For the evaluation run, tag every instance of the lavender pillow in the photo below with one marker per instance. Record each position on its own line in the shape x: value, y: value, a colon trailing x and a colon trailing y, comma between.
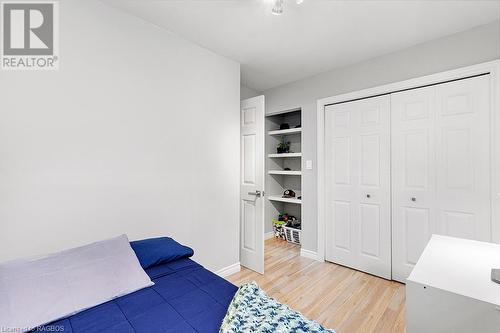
x: 37, y: 291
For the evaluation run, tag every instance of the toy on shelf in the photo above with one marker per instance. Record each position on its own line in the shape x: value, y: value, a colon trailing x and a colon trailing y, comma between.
x: 279, y: 231
x: 285, y: 220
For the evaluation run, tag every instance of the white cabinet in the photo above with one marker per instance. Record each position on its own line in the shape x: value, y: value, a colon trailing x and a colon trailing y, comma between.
x: 421, y: 155
x: 450, y: 289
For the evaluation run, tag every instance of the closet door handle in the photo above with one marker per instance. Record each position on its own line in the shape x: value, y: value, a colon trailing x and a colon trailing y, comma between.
x: 256, y: 193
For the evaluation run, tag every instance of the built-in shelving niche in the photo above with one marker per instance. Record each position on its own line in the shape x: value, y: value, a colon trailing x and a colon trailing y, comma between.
x: 277, y: 178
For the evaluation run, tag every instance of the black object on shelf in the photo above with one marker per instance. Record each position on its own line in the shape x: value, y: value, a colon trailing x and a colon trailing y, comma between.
x: 288, y: 194
x: 282, y: 150
x: 284, y: 126
x: 298, y: 126
x: 294, y: 223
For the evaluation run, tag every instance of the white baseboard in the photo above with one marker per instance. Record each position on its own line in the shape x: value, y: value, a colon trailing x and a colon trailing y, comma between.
x: 310, y: 254
x: 231, y: 269
x: 269, y: 235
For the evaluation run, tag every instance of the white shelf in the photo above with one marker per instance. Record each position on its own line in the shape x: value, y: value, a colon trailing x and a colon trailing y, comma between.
x: 286, y: 131
x: 281, y: 112
x: 285, y: 172
x: 286, y: 155
x: 287, y: 200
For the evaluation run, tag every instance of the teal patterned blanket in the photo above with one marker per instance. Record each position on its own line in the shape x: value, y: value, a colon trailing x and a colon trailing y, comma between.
x: 253, y: 311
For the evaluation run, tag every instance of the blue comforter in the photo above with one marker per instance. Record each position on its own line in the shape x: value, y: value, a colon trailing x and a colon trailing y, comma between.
x: 185, y: 298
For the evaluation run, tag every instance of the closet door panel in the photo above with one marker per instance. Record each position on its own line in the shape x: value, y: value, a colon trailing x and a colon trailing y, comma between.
x: 342, y: 160
x: 416, y: 150
x: 417, y: 232
x: 358, y: 185
x: 370, y: 230
x: 341, y: 229
x: 440, y: 167
x: 374, y: 185
x: 370, y: 160
x: 342, y: 200
x: 463, y: 158
x: 413, y: 177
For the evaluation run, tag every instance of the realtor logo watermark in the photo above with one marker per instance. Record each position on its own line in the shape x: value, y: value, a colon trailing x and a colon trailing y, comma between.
x: 30, y: 35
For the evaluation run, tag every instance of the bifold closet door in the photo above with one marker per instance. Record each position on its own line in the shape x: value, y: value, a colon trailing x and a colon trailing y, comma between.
x: 440, y: 167
x: 358, y: 226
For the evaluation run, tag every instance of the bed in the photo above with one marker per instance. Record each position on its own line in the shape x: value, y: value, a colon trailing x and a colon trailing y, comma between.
x: 144, y: 286
x: 185, y: 298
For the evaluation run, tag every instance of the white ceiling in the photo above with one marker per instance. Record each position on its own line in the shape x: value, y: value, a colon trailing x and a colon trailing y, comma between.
x: 310, y: 38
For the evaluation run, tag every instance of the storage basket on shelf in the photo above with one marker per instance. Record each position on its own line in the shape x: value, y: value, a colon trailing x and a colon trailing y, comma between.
x: 292, y: 235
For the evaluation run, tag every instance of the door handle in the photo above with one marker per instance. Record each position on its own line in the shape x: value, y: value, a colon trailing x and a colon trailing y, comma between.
x: 257, y: 193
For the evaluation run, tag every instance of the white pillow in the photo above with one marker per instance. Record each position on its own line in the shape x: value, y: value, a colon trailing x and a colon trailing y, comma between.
x: 39, y: 290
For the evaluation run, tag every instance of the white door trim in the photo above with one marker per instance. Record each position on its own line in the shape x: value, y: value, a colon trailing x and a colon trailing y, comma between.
x: 492, y: 67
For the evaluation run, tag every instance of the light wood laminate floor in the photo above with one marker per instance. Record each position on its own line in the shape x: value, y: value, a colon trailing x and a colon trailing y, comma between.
x: 338, y: 297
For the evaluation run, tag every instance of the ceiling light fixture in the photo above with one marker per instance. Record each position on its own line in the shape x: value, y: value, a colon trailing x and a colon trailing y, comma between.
x: 278, y: 6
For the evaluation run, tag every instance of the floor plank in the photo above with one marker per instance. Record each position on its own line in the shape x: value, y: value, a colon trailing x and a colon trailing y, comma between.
x: 338, y: 297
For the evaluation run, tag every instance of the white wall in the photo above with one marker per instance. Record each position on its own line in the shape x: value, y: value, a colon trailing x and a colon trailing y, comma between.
x: 137, y: 133
x: 246, y: 92
x: 477, y: 45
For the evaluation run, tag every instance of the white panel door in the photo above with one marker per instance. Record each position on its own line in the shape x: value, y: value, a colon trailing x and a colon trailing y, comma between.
x: 358, y: 222
x: 413, y: 177
x: 440, y: 167
x: 252, y: 184
x: 463, y: 158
